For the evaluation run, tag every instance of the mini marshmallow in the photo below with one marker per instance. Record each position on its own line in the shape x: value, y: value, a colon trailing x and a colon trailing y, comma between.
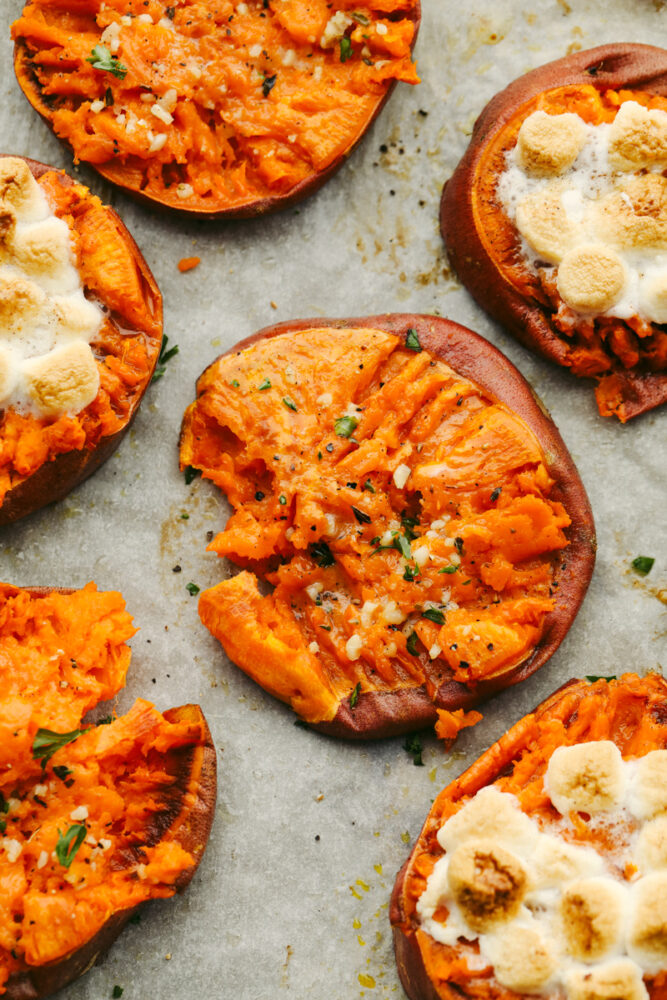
x: 619, y: 979
x: 65, y: 380
x: 523, y: 958
x: 637, y: 137
x: 487, y: 882
x: 543, y: 222
x: 20, y: 191
x: 591, y: 278
x: 549, y: 144
x: 591, y: 911
x: 585, y: 777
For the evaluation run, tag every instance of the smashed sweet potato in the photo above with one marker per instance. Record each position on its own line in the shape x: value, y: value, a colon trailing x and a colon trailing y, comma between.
x: 610, y: 337
x: 42, y: 457
x: 94, y: 818
x: 214, y: 108
x: 416, y: 512
x: 570, y: 805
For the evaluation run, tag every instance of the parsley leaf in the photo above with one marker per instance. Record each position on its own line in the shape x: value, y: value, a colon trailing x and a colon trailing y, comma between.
x: 101, y: 58
x: 413, y: 745
x: 190, y: 473
x: 322, y: 554
x: 165, y: 356
x: 344, y: 426
x: 266, y: 384
x: 354, y: 694
x: 643, y: 565
x: 268, y: 84
x: 345, y: 49
x: 448, y: 569
x: 46, y: 743
x: 403, y: 545
x: 117, y: 992
x: 192, y: 589
x: 600, y: 677
x: 434, y: 615
x: 412, y: 644
x: 411, y: 572
x: 289, y: 403
x: 412, y: 341
x: 361, y: 516
x: 69, y: 843
x: 368, y: 486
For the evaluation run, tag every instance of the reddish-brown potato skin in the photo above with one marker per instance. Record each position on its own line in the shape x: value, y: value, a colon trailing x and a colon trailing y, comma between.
x: 380, y: 714
x: 56, y: 478
x: 260, y: 206
x: 608, y: 67
x: 411, y: 970
x: 191, y: 826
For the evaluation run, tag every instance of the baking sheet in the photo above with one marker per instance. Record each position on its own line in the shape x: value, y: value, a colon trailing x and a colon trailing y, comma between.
x: 292, y: 896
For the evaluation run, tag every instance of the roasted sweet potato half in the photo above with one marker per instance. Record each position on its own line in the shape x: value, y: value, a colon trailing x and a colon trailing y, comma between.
x: 216, y: 109
x: 556, y: 218
x: 414, y: 508
x: 542, y: 869
x: 80, y: 334
x: 95, y: 819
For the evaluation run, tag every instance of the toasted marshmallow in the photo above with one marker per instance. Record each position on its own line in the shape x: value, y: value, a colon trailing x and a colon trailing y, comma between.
x: 634, y: 214
x: 648, y: 794
x: 549, y: 144
x: 591, y: 278
x: 543, y: 222
x: 585, y: 777
x: 523, y: 958
x: 20, y: 191
x: 21, y: 302
x: 7, y: 231
x: 647, y: 928
x: 44, y: 252
x: 487, y: 882
x: 653, y: 296
x: 591, y: 911
x: 619, y: 979
x: 652, y: 845
x: 76, y: 317
x: 7, y: 375
x: 556, y: 862
x: 489, y: 814
x: 65, y: 380
x: 638, y: 138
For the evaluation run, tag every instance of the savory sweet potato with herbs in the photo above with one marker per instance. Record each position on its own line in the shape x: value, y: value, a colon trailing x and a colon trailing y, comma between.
x: 80, y: 334
x: 542, y: 868
x: 216, y: 108
x: 94, y: 818
x: 423, y: 528
x: 555, y: 218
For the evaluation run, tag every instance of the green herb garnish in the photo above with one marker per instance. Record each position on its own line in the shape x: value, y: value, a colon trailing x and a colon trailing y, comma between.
x: 411, y: 644
x: 268, y: 84
x: 282, y: 500
x: 412, y: 341
x: 345, y: 426
x: 403, y: 545
x: 117, y: 992
x: 413, y: 745
x: 643, y: 565
x: 289, y: 403
x: 46, y: 743
x: 266, y: 384
x: 69, y: 843
x: 600, y: 677
x: 234, y: 383
x: 368, y: 486
x: 448, y: 569
x: 354, y: 694
x: 345, y: 49
x: 411, y: 572
x: 361, y: 516
x: 165, y: 356
x: 61, y: 771
x: 190, y: 473
x: 434, y: 615
x: 409, y: 523
x: 108, y: 97
x: 101, y: 58
x: 359, y: 18
x: 192, y: 589
x: 322, y: 554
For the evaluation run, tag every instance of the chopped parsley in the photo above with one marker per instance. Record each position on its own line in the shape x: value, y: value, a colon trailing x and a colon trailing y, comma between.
x: 69, y: 843
x: 408, y: 524
x: 259, y: 495
x: 361, y: 516
x: 368, y: 486
x: 165, y: 356
x: 46, y: 743
x: 413, y: 745
x: 434, y: 615
x: 412, y: 341
x: 117, y: 992
x: 496, y: 493
x: 359, y: 18
x: 282, y: 500
x: 234, y: 383
x: 345, y: 49
x: 268, y: 84
x: 61, y: 771
x: 411, y: 572
x: 101, y: 58
x: 345, y: 426
x: 412, y: 644
x: 289, y: 403
x: 192, y: 589
x: 448, y: 569
x: 458, y: 544
x: 190, y: 473
x: 266, y: 384
x: 643, y: 565
x: 322, y: 554
x: 403, y: 545
x: 600, y: 677
x: 108, y: 97
x: 354, y: 694
x: 4, y: 805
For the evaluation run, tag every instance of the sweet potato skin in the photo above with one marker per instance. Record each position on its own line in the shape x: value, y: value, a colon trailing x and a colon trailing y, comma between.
x: 607, y: 67
x: 191, y: 826
x: 414, y: 977
x: 261, y: 206
x: 381, y: 714
x: 55, y: 479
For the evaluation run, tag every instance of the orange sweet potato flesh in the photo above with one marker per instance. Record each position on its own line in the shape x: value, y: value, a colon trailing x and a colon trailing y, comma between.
x: 140, y: 788
x: 631, y: 711
x: 627, y: 359
x: 43, y: 459
x: 367, y: 634
x: 259, y: 112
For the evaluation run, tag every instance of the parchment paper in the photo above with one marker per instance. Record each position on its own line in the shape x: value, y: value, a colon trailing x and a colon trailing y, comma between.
x: 292, y: 896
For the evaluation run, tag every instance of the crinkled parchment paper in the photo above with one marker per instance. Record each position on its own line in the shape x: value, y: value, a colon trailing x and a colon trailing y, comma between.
x: 292, y: 896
